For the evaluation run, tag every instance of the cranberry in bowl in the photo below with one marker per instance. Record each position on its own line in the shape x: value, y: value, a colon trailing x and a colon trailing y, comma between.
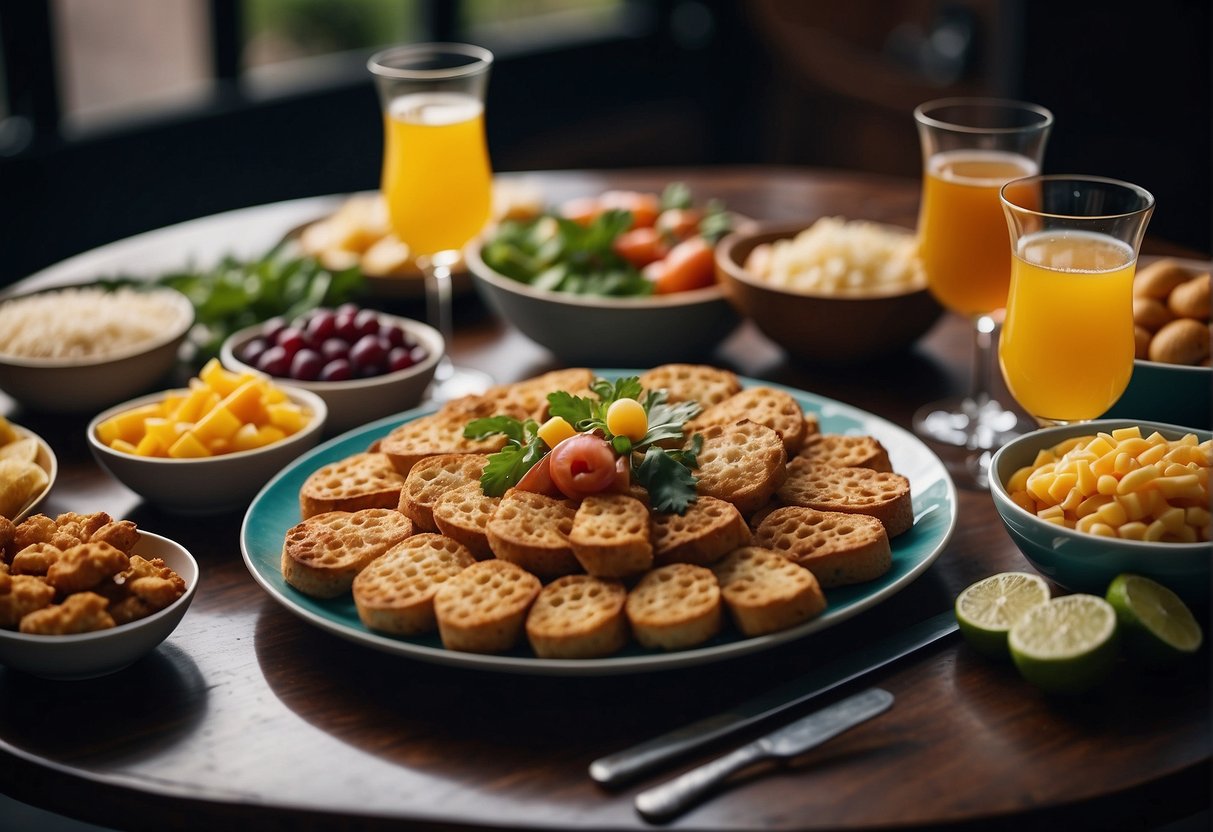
x: 365, y: 364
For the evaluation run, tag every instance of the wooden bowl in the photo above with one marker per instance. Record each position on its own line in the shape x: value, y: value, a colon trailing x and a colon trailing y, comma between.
x: 821, y: 328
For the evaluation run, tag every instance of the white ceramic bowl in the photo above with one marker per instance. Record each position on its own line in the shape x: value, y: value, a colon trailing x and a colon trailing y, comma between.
x: 86, y: 655
x: 73, y: 385
x: 209, y: 485
x: 623, y: 332
x: 1085, y: 562
x: 358, y: 401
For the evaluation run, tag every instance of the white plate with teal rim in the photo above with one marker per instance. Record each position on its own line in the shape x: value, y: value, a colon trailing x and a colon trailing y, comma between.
x: 276, y: 509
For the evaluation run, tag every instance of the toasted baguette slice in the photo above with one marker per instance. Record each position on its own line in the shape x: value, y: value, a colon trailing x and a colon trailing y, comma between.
x: 530, y: 396
x: 351, y: 484
x: 532, y: 530
x: 463, y: 514
x: 610, y: 536
x: 846, y: 452
x: 880, y: 494
x: 743, y: 464
x: 837, y: 548
x: 766, y: 406
x: 709, y: 530
x: 692, y: 382
x: 322, y: 555
x: 395, y: 592
x: 765, y: 592
x: 483, y: 608
x: 441, y: 433
x: 675, y: 607
x: 432, y: 477
x: 578, y: 617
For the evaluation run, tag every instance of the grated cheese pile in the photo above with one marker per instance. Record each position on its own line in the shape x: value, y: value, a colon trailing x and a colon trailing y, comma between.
x: 840, y: 256
x: 85, y: 322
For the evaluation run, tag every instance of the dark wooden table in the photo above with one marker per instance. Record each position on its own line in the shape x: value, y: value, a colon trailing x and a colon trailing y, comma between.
x: 249, y: 716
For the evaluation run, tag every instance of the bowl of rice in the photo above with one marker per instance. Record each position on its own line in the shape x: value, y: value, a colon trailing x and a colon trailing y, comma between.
x: 81, y: 348
x: 835, y: 291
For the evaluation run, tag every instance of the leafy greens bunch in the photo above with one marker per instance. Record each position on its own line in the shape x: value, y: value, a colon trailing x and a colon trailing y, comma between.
x: 664, y: 473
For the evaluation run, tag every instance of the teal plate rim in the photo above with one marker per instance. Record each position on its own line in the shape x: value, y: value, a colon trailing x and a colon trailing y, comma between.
x: 275, y: 510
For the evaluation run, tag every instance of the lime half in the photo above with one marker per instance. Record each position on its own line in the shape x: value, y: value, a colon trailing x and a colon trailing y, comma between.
x: 1066, y: 645
x: 988, y: 609
x: 1158, y: 627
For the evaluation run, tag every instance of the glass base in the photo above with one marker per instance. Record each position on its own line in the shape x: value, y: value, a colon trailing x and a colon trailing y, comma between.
x: 451, y: 382
x: 965, y: 423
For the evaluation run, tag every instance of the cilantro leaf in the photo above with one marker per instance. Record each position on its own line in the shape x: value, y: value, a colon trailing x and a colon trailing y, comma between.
x: 666, y: 420
x: 506, y: 467
x: 491, y: 425
x: 670, y: 484
x: 623, y: 388
x: 573, y: 409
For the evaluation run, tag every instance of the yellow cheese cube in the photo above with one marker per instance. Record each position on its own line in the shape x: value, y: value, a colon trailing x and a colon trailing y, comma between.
x: 245, y: 402
x: 123, y: 446
x: 127, y: 425
x: 196, y: 403
x: 149, y: 445
x: 219, y: 379
x: 287, y: 416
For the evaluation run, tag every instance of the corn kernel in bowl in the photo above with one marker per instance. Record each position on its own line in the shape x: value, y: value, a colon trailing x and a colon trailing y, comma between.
x: 220, y: 412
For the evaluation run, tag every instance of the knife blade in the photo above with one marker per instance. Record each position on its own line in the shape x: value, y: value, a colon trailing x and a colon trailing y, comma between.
x: 676, y: 796
x: 623, y: 766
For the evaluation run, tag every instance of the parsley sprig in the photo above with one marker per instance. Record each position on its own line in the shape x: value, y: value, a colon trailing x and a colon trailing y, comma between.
x: 666, y: 474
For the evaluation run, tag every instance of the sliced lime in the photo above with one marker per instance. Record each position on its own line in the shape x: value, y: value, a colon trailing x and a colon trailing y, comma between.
x: 1158, y: 627
x: 987, y: 610
x: 1066, y: 645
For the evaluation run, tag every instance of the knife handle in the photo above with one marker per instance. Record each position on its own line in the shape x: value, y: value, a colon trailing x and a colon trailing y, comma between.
x: 676, y: 796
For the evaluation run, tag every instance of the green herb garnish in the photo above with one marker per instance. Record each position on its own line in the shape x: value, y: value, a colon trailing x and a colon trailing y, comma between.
x: 666, y: 474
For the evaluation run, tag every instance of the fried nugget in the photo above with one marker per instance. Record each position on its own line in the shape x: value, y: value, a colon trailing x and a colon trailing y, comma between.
x: 129, y: 608
x: 81, y: 526
x: 83, y: 612
x: 35, y: 559
x: 121, y: 534
x: 84, y: 566
x: 37, y: 528
x: 25, y: 594
x: 158, y: 593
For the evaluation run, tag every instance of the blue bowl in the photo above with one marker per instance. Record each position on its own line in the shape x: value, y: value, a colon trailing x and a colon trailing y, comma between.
x: 1169, y: 393
x: 1084, y: 562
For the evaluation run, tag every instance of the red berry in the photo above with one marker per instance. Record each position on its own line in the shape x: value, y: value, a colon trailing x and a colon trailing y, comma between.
x: 322, y: 326
x: 252, y: 350
x: 336, y: 370
x: 291, y: 339
x: 334, y: 348
x: 393, y: 334
x: 274, y: 361
x: 367, y: 322
x: 367, y: 352
x: 345, y: 326
x: 306, y: 365
x: 399, y: 359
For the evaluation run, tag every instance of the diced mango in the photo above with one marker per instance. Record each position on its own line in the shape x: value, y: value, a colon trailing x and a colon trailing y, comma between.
x: 245, y: 402
x: 193, y: 406
x: 219, y: 423
x: 287, y: 416
x: 187, y: 446
x: 149, y: 445
x: 123, y: 446
x: 127, y: 426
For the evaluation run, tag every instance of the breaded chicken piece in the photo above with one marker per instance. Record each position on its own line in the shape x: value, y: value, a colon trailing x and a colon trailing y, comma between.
x: 81, y: 527
x: 157, y: 593
x: 37, y: 528
x: 83, y: 612
x: 84, y: 566
x: 121, y: 534
x: 35, y: 559
x: 25, y: 594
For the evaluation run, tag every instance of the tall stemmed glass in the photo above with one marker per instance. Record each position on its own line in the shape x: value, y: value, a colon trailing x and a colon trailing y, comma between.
x: 1067, y: 344
x: 970, y: 148
x: 436, y: 174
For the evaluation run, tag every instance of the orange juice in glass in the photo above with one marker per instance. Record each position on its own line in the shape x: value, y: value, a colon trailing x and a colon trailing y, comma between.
x: 437, y: 180
x: 970, y: 148
x: 1067, y: 344
x: 436, y: 175
x: 962, y: 233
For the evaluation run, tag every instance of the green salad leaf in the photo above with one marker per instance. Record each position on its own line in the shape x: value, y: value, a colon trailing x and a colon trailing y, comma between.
x: 522, y: 450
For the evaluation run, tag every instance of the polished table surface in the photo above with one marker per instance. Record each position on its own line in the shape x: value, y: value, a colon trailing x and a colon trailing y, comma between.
x: 248, y: 715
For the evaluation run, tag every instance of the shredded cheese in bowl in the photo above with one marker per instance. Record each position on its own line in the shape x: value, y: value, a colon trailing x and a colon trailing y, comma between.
x: 88, y: 323
x: 839, y: 256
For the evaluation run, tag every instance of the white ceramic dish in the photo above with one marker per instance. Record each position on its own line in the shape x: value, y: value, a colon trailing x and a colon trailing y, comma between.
x: 210, y: 485
x: 276, y: 509
x: 82, y: 385
x: 581, y: 329
x: 87, y: 655
x: 358, y: 401
x: 45, y: 460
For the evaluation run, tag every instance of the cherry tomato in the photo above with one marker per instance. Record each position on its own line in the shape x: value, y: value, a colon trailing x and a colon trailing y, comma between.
x: 641, y: 246
x: 644, y: 207
x: 581, y: 210
x: 539, y: 479
x: 582, y: 465
x: 679, y: 222
x: 691, y: 265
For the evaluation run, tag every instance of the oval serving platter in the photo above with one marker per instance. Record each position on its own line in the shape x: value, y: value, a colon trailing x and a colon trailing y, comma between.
x: 276, y: 509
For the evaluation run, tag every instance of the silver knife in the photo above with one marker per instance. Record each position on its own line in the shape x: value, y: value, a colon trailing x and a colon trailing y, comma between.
x: 622, y: 766
x: 678, y: 795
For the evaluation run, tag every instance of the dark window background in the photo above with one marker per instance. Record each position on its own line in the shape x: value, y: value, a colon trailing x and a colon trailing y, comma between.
x: 119, y: 116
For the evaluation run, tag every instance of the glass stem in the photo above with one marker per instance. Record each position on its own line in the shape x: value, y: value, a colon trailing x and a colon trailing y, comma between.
x: 983, y: 339
x: 437, y: 271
